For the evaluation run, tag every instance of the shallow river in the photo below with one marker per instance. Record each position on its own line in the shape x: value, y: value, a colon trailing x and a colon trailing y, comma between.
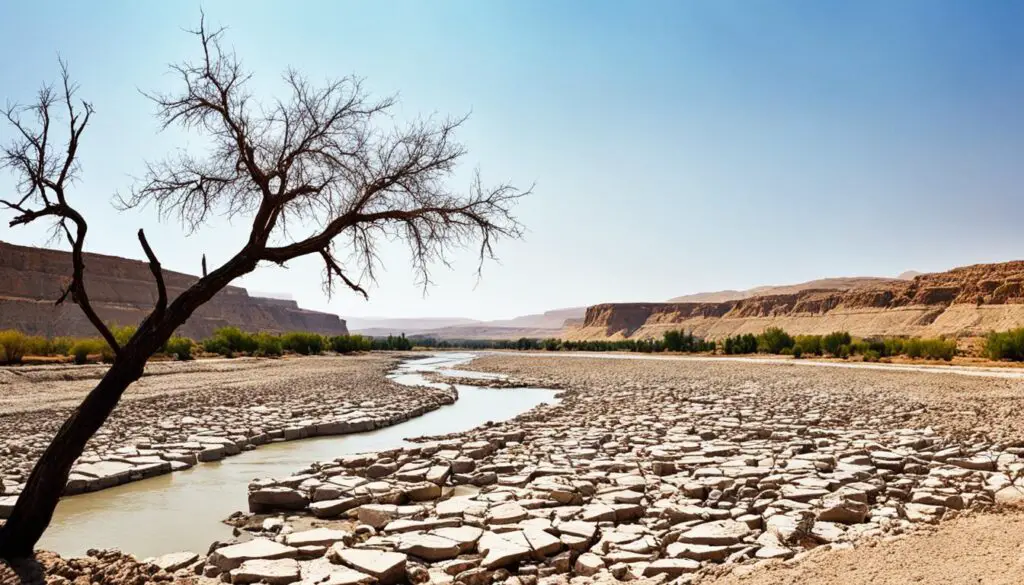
x: 183, y: 510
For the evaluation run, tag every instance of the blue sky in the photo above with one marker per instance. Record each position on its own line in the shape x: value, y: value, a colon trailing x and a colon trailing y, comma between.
x: 676, y: 146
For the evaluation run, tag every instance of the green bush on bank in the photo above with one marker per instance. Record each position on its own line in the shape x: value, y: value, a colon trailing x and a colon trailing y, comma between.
x: 1005, y: 345
x: 833, y: 342
x: 84, y: 348
x: 740, y: 344
x: 403, y: 343
x: 807, y: 344
x: 179, y: 347
x: 303, y: 343
x: 268, y: 345
x: 774, y: 340
x: 351, y: 343
x: 685, y: 342
x: 12, y: 345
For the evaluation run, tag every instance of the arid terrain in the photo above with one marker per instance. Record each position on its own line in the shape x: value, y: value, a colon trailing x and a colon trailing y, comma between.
x: 179, y: 414
x: 964, y: 301
x: 652, y: 470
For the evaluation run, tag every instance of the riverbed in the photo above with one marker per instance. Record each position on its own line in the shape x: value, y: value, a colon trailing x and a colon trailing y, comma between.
x: 184, y: 510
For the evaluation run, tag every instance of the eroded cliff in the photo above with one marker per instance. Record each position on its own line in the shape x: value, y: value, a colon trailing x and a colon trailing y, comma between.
x: 971, y: 300
x: 123, y: 292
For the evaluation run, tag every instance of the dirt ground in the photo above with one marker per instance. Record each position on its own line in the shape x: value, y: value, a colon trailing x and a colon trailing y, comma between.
x: 978, y: 548
x: 982, y: 406
x: 31, y: 388
x: 986, y: 549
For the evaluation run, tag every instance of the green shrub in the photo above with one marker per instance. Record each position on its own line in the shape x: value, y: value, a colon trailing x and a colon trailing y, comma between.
x: 1005, y: 345
x: 13, y: 344
x: 123, y: 334
x: 843, y: 351
x: 932, y: 349
x: 228, y: 341
x: 773, y: 340
x: 831, y: 343
x: 218, y: 346
x: 680, y: 341
x: 893, y: 346
x: 797, y: 352
x: 809, y: 344
x: 871, y: 356
x: 740, y: 344
x: 268, y: 345
x: 37, y: 345
x: 83, y: 348
x: 60, y: 345
x: 402, y: 343
x: 859, y: 347
x: 351, y: 343
x: 179, y: 347
x: 303, y: 343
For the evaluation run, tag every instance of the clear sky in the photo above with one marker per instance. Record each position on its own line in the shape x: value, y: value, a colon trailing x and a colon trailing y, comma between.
x: 676, y: 146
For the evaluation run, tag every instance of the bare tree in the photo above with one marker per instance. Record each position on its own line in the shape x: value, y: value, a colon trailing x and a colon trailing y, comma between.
x: 315, y: 172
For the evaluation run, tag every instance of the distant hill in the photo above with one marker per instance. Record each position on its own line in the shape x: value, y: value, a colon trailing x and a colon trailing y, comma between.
x: 547, y: 324
x: 404, y: 325
x: 547, y: 320
x: 967, y: 301
x: 123, y: 292
x: 842, y: 283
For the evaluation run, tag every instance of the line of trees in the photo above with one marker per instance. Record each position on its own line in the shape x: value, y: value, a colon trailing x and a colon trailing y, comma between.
x: 232, y: 341
x: 15, y: 346
x: 772, y: 340
x: 229, y: 342
x: 839, y: 344
x: 678, y: 341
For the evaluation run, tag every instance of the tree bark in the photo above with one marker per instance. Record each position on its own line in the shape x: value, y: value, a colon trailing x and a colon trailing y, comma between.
x: 34, y: 510
x: 38, y: 500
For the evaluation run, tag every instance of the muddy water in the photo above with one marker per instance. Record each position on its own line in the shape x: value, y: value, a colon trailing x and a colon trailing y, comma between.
x: 183, y: 510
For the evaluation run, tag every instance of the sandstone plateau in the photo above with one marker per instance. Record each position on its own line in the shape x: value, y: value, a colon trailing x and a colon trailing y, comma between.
x: 122, y: 292
x: 971, y: 300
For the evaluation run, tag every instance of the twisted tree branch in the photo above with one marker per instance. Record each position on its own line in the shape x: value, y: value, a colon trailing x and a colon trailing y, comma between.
x: 158, y: 275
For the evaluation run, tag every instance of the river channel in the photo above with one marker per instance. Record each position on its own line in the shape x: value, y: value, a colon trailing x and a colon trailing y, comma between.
x: 183, y: 510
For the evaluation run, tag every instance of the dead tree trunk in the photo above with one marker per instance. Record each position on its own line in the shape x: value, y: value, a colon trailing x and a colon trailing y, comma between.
x: 45, y: 485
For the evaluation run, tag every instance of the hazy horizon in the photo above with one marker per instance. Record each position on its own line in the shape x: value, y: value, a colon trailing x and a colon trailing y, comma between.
x: 676, y: 148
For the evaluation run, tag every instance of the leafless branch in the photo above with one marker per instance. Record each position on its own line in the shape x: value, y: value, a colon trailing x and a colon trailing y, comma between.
x: 158, y: 275
x: 332, y: 269
x: 318, y: 168
x: 44, y: 175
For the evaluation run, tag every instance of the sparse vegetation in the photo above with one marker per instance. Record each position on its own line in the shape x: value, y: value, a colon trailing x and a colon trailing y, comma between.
x: 268, y: 345
x: 740, y: 344
x: 303, y: 343
x: 179, y: 347
x: 686, y: 342
x: 774, y: 340
x: 84, y: 348
x: 394, y: 343
x: 351, y: 343
x: 808, y: 344
x: 1005, y: 345
x: 13, y: 344
x: 833, y: 342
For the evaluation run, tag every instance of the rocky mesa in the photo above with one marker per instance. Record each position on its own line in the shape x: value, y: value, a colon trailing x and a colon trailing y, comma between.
x: 123, y: 292
x: 970, y: 300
